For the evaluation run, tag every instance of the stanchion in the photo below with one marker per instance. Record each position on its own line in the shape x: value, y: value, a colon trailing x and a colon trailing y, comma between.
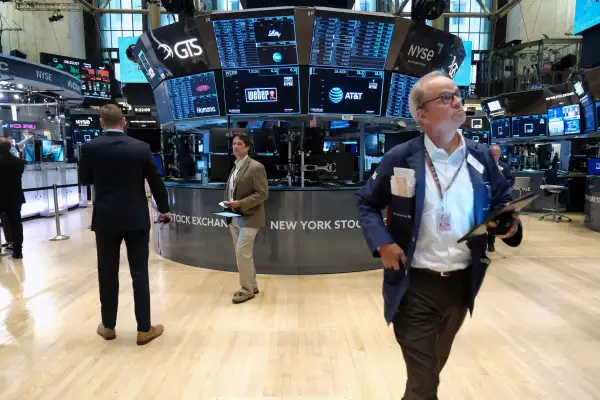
x: 58, y: 236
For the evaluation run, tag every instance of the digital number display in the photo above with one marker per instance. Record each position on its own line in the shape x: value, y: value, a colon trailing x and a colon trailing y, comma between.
x: 193, y: 96
x: 262, y: 91
x: 500, y: 128
x: 564, y: 120
x: 345, y: 91
x: 349, y: 41
x: 95, y: 80
x: 400, y: 87
x: 256, y: 42
x: 529, y: 126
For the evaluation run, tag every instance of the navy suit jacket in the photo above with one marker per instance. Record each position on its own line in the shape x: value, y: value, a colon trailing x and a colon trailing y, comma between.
x: 490, y: 189
x: 505, y: 169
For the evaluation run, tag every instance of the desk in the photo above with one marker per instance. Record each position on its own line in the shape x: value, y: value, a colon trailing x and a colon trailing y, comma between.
x: 574, y: 201
x: 309, y: 231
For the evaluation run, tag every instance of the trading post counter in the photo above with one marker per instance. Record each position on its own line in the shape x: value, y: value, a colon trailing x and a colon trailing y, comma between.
x: 572, y: 200
x: 308, y: 231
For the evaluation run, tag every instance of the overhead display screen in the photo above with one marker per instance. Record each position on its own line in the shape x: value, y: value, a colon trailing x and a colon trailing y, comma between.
x: 95, y: 79
x: 500, y: 128
x: 163, y: 103
x: 350, y: 40
x: 193, y: 96
x: 526, y: 126
x: 564, y: 120
x: 482, y: 137
x: 256, y: 42
x: 262, y: 91
x: 588, y: 109
x: 400, y: 86
x: 341, y: 91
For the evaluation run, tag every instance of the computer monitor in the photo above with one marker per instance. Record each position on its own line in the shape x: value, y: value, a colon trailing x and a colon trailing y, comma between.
x: 344, y: 164
x: 220, y: 167
x: 159, y: 164
x: 265, y: 141
x: 219, y: 141
x: 564, y: 120
x: 528, y: 126
x: 500, y: 128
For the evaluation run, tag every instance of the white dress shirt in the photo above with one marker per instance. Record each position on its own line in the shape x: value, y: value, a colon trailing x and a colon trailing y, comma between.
x: 230, y: 184
x: 436, y: 251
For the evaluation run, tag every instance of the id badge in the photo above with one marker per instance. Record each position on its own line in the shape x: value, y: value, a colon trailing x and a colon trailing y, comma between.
x: 444, y: 222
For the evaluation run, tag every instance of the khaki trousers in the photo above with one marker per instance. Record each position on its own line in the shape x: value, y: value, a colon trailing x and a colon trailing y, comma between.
x: 243, y: 242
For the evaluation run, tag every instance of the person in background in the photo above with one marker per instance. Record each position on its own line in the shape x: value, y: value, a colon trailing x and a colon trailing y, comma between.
x: 118, y: 166
x: 505, y: 170
x: 11, y: 197
x: 431, y: 280
x: 13, y: 147
x: 246, y: 192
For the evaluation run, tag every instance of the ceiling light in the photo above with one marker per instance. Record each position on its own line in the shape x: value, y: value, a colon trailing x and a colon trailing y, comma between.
x: 20, y: 86
x: 16, y: 96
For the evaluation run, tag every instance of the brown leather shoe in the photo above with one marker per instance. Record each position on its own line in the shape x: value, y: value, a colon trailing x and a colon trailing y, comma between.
x: 107, y: 334
x: 242, y: 296
x: 146, y: 337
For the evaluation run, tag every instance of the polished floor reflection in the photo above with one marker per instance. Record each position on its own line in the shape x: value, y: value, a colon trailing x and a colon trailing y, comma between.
x: 535, y: 333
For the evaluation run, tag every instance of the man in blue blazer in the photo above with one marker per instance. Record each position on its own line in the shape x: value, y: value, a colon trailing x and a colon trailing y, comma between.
x: 430, y: 280
x: 505, y: 170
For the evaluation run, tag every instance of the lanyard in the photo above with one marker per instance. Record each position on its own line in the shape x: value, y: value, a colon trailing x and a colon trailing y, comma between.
x: 435, y: 175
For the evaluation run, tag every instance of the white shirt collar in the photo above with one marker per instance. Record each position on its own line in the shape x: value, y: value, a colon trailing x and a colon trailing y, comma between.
x: 438, y: 154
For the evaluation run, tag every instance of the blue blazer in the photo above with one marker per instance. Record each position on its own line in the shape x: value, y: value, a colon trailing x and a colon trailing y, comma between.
x: 491, y: 191
x: 505, y: 169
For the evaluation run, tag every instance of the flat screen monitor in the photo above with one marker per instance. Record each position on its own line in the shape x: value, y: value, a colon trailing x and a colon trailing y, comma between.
x: 163, y: 103
x: 95, y: 79
x: 219, y: 141
x: 220, y: 167
x: 193, y: 96
x: 482, y: 137
x: 265, y: 141
x: 400, y: 86
x: 350, y: 40
x: 52, y: 151
x: 159, y: 164
x: 588, y: 109
x: 564, y: 120
x: 500, y: 128
x: 85, y: 135
x: 262, y: 91
x: 263, y: 41
x: 345, y: 91
x: 529, y: 126
x: 339, y: 124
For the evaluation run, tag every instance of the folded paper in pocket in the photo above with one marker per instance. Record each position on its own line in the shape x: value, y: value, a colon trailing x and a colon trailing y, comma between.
x: 403, y: 182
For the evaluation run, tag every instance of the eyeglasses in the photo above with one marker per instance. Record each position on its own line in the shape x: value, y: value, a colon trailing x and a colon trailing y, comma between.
x: 446, y: 97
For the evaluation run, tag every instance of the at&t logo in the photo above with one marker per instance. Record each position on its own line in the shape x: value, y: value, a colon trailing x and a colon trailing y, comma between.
x: 182, y: 50
x: 336, y: 95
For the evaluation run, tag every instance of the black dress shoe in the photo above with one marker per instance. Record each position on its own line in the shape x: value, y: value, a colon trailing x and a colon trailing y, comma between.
x: 17, y: 256
x: 491, y: 248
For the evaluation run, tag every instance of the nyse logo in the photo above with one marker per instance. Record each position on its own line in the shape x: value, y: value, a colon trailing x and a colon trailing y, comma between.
x: 182, y: 50
x: 261, y: 95
x: 206, y: 110
x: 46, y: 76
x: 83, y: 122
x: 274, y: 33
x: 453, y: 69
x: 419, y: 52
x: 4, y: 66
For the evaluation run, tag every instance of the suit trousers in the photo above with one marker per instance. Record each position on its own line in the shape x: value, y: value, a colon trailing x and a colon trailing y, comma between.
x: 431, y: 313
x: 13, y: 227
x: 243, y: 242
x: 108, y: 246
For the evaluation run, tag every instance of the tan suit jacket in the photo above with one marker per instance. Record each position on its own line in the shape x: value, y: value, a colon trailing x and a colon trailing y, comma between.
x: 251, y: 189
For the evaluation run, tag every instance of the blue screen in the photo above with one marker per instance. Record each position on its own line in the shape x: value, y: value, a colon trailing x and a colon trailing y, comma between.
x: 500, y: 128
x: 339, y: 124
x: 564, y: 120
x: 130, y: 72
x: 529, y: 126
x: 478, y: 136
x: 588, y: 108
x: 256, y: 42
x: 193, y: 96
x: 463, y: 75
x: 587, y: 15
x: 400, y: 86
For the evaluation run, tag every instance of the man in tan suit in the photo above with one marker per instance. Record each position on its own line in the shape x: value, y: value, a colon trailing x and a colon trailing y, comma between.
x: 246, y: 192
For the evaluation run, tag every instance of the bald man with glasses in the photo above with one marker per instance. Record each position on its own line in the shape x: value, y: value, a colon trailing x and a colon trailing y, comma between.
x: 431, y: 280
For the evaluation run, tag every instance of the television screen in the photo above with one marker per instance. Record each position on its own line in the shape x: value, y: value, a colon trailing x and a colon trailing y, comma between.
x: 95, y: 80
x: 564, y: 120
x: 265, y: 141
x: 587, y: 15
x: 129, y: 71
x: 163, y: 103
x: 193, y: 96
x: 219, y: 140
x: 263, y: 41
x: 351, y: 40
x: 52, y: 151
x: 400, y: 86
x: 529, y: 126
x: 337, y: 124
x: 345, y: 91
x: 262, y: 91
x: 482, y: 137
x: 500, y: 128
x: 588, y: 108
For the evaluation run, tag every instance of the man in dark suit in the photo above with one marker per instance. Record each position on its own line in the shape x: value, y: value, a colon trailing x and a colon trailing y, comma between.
x: 11, y: 195
x: 246, y: 192
x: 117, y: 166
x: 505, y: 170
x: 431, y: 280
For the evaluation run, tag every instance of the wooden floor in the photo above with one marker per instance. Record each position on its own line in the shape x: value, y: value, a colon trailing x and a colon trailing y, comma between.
x: 535, y: 333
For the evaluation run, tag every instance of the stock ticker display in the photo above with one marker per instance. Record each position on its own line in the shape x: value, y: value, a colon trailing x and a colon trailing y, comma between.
x: 500, y: 128
x: 345, y: 41
x: 262, y: 91
x: 193, y: 96
x: 400, y: 87
x: 95, y: 80
x: 345, y: 91
x: 524, y: 126
x: 256, y: 42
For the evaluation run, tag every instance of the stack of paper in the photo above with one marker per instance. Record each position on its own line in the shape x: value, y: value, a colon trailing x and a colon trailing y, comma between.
x: 403, y: 182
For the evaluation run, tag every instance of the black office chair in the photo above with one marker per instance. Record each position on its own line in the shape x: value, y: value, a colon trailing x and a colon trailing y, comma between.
x: 555, y: 186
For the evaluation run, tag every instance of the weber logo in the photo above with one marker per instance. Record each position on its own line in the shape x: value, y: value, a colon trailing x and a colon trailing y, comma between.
x: 261, y: 95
